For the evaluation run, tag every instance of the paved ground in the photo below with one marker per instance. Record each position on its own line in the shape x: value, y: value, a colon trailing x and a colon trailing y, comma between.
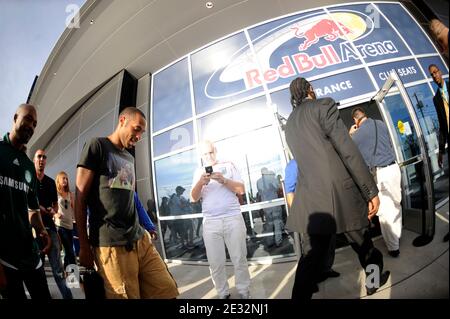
x: 421, y: 272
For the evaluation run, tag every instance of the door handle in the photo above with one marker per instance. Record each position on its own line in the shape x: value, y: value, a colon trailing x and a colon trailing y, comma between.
x: 413, y: 160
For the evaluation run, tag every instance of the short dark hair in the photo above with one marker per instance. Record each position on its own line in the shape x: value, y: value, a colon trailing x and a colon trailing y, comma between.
x: 299, y: 91
x: 131, y: 111
x: 358, y: 113
x: 431, y: 65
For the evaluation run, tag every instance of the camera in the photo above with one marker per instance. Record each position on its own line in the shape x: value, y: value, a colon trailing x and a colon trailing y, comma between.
x: 208, y: 169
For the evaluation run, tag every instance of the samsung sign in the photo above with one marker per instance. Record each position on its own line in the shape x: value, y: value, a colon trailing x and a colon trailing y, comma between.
x: 315, y: 44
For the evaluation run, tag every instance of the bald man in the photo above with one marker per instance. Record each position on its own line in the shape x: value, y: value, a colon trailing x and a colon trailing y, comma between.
x: 217, y: 185
x: 19, y: 211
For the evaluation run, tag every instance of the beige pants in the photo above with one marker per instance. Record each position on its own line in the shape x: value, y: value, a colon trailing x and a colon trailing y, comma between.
x: 137, y: 274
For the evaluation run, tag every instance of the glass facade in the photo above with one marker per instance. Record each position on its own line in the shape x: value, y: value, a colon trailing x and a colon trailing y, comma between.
x: 230, y: 90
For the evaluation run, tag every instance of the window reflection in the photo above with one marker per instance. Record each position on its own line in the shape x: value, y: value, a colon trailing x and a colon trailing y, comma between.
x: 422, y: 100
x: 172, y: 173
x: 235, y: 120
x: 171, y: 96
x: 404, y: 128
x: 183, y: 239
x: 218, y: 73
x: 268, y: 236
x: 251, y: 153
x: 282, y: 99
x: 174, y: 139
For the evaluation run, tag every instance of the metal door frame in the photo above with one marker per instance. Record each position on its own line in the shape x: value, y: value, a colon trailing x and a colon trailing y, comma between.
x: 428, y: 219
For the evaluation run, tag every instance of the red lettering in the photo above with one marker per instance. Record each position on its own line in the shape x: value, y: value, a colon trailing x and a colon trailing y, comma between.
x: 252, y: 78
x: 302, y: 62
x: 286, y: 69
x: 271, y: 75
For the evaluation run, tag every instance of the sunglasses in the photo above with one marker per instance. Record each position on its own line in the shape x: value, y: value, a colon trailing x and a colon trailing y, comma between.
x: 66, y: 203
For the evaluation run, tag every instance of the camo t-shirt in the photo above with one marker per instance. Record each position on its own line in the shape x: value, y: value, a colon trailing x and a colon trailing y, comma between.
x: 113, y: 220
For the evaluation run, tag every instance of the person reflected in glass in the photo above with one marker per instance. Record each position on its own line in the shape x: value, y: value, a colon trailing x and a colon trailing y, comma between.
x: 164, y: 210
x: 65, y: 217
x: 268, y: 186
x: 179, y: 205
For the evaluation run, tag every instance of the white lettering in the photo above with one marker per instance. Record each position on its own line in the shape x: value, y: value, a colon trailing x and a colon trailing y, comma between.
x: 12, y: 183
x: 333, y: 88
x: 373, y: 276
x: 367, y: 49
x: 73, y: 19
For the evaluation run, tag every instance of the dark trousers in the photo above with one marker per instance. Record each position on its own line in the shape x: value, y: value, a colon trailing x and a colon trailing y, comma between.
x: 327, y: 262
x: 35, y: 281
x: 312, y: 263
x: 66, y: 236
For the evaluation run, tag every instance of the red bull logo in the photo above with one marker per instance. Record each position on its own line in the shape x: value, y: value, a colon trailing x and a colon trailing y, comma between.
x: 316, y: 33
x: 325, y: 28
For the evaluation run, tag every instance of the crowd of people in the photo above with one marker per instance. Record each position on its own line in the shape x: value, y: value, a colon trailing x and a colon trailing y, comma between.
x: 359, y: 180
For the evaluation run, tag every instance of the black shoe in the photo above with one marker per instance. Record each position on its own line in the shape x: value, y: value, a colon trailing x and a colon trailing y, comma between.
x: 328, y: 274
x: 332, y: 274
x: 383, y: 279
x: 394, y: 253
x: 445, y: 238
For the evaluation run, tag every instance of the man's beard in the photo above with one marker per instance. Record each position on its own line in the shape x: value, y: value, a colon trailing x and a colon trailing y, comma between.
x: 23, y: 137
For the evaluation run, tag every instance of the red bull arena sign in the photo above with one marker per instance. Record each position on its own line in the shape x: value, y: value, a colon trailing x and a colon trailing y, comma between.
x: 346, y: 50
x: 322, y: 27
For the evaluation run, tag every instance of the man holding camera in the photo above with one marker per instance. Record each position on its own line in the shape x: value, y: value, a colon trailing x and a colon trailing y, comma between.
x: 217, y: 185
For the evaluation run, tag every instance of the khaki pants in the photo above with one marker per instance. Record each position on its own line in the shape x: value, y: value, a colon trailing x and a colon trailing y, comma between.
x: 136, y: 274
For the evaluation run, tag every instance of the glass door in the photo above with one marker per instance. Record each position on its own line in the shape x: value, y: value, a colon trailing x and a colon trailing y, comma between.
x: 412, y: 155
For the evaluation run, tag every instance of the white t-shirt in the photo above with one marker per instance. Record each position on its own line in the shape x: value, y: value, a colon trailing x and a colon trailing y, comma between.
x: 217, y: 200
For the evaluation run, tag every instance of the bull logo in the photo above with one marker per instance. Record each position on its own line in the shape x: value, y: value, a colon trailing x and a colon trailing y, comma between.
x: 325, y: 28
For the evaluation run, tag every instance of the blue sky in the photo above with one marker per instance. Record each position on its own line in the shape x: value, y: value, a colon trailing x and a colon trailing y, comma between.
x: 29, y: 29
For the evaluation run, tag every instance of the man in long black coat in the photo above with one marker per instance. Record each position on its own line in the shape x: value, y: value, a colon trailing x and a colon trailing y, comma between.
x: 335, y: 192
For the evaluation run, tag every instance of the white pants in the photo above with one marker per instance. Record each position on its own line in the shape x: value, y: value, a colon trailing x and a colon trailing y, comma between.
x: 390, y: 211
x: 229, y: 231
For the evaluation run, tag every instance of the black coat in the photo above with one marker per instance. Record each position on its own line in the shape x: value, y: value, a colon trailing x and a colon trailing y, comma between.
x: 333, y: 177
x: 443, y: 129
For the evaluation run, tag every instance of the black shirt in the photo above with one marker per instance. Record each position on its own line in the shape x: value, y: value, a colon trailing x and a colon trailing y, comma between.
x: 47, y: 197
x: 18, y: 248
x: 113, y: 220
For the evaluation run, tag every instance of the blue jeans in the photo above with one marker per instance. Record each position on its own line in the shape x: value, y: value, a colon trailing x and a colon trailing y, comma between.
x: 67, y: 242
x: 54, y: 258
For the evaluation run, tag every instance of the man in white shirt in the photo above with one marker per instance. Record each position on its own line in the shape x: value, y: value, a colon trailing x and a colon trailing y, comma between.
x: 223, y: 223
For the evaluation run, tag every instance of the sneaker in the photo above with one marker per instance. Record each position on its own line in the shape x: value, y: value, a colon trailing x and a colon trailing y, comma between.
x: 383, y: 279
x: 225, y: 297
x: 394, y: 253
